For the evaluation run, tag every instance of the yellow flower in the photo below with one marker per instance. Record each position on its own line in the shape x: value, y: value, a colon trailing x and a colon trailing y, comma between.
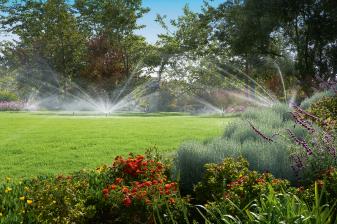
x: 8, y: 189
x: 29, y: 202
x: 8, y: 179
x: 22, y: 198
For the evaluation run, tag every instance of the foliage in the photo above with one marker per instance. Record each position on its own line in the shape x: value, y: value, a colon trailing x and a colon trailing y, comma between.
x: 308, y: 102
x: 274, y: 139
x: 274, y: 207
x: 91, y: 42
x: 253, y: 28
x: 328, y: 182
x: 6, y: 96
x: 141, y: 187
x: 51, y: 43
x: 326, y: 109
x: 240, y: 140
x: 317, y: 152
x: 132, y: 190
x: 191, y: 158
x: 232, y: 180
x: 137, y: 190
x: 47, y: 200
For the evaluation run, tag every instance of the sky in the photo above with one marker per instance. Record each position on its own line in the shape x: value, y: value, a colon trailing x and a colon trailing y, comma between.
x: 171, y: 8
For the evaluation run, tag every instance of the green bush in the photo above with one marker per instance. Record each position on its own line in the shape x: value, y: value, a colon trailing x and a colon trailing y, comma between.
x: 326, y: 109
x: 46, y: 200
x: 306, y: 104
x: 232, y: 180
x: 6, y: 96
x: 326, y: 181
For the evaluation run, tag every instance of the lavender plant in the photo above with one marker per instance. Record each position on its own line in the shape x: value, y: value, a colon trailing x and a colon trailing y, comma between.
x: 310, y: 155
x: 239, y: 140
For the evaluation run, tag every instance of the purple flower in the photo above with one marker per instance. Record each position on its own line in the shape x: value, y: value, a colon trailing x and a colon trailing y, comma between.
x: 300, y: 142
x: 304, y: 123
x: 260, y: 133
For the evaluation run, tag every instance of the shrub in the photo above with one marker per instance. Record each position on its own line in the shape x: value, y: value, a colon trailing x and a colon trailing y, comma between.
x: 51, y: 199
x: 192, y: 156
x: 6, y: 96
x: 273, y: 206
x: 132, y: 190
x: 314, y: 154
x: 326, y: 109
x: 141, y: 191
x: 232, y: 180
x: 239, y: 139
x: 306, y: 104
x: 327, y: 182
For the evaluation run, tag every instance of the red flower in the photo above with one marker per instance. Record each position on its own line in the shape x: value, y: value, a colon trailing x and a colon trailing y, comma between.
x: 118, y: 180
x: 167, y: 186
x: 148, y: 183
x: 105, y: 191
x: 172, y: 201
x: 127, y: 202
x: 113, y: 187
x: 141, y: 194
x: 139, y: 171
x: 125, y: 190
x: 260, y: 181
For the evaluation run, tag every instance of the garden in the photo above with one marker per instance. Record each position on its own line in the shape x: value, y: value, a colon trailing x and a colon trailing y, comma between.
x: 226, y: 114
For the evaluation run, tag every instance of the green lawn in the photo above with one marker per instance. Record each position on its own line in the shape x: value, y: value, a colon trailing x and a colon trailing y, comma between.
x: 33, y: 144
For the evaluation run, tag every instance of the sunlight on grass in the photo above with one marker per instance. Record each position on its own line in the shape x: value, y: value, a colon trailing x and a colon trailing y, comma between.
x: 48, y: 144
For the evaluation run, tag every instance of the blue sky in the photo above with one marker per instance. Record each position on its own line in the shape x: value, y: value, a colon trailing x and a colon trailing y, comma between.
x: 171, y: 8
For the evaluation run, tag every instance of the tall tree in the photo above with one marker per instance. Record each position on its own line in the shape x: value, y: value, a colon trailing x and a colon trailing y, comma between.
x: 307, y: 27
x: 114, y: 22
x: 49, y: 38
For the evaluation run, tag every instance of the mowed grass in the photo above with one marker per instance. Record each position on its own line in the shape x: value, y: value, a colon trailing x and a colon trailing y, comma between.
x: 32, y: 144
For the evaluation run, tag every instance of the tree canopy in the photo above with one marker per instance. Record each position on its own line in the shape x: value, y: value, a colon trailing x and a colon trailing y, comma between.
x: 94, y: 41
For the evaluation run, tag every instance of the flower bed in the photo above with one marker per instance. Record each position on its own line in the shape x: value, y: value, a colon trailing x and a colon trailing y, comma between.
x: 138, y: 189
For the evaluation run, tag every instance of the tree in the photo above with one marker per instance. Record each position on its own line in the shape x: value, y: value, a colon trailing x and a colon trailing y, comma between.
x: 311, y: 29
x: 253, y: 28
x: 50, y: 40
x: 113, y: 22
